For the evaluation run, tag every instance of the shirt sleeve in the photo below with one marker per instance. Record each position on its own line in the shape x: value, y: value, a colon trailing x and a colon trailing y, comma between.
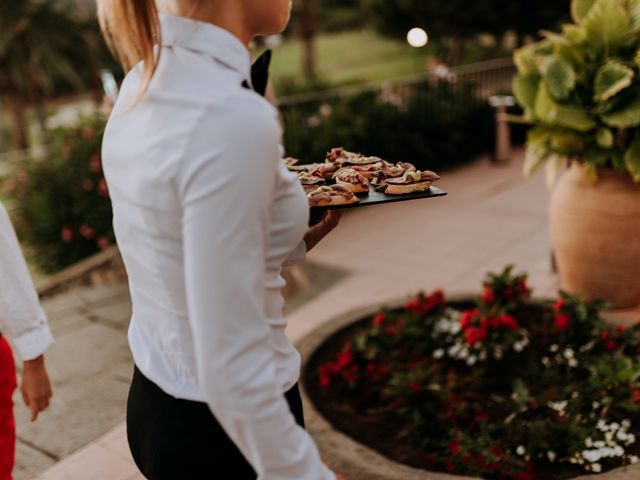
x: 226, y: 184
x: 299, y: 255
x: 22, y: 319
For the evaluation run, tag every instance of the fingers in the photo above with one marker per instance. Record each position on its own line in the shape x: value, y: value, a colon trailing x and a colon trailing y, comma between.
x: 332, y: 217
x: 34, y: 411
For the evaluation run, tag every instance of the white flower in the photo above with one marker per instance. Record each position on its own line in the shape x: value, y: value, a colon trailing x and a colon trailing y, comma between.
x: 545, y: 361
x: 573, y: 363
x: 633, y: 459
x: 568, y: 353
x: 615, y: 426
x: 520, y: 450
x: 621, y: 435
x: 599, y: 444
x: 591, y: 455
x: 596, y: 467
x: 608, y: 436
x: 518, y: 347
x: 551, y: 456
x: 471, y: 361
x: 589, y: 442
x: 602, y: 426
x: 631, y: 438
x: 626, y: 424
x: 618, y: 451
x: 439, y: 353
x: 553, y: 348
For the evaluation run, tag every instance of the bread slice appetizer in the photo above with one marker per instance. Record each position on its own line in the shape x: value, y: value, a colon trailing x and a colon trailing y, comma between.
x: 410, y: 182
x: 306, y: 168
x: 340, y: 155
x: 331, y: 195
x: 291, y: 162
x: 310, y: 182
x: 324, y: 170
x: 368, y: 171
x: 349, y: 178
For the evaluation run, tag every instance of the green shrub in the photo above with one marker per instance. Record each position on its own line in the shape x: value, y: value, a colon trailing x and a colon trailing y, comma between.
x: 62, y: 207
x: 433, y: 126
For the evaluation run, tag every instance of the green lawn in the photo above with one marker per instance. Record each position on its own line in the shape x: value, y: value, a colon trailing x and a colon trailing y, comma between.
x: 351, y: 57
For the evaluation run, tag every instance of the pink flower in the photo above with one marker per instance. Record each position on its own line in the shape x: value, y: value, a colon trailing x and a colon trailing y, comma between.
x: 103, y: 242
x: 87, y: 231
x: 95, y: 163
x: 88, y: 133
x: 103, y: 189
x: 66, y: 234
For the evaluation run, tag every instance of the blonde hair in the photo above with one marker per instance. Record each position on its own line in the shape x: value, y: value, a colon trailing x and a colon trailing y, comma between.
x: 131, y: 29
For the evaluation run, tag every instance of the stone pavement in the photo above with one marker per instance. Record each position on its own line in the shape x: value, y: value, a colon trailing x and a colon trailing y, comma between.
x: 491, y: 217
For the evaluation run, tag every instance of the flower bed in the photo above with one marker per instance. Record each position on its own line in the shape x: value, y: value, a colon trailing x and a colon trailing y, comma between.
x: 506, y: 388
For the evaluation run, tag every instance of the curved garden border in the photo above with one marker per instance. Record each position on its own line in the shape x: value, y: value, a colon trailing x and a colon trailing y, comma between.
x: 358, y: 462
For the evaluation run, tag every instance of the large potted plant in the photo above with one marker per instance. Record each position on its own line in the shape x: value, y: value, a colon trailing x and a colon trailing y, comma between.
x: 581, y: 91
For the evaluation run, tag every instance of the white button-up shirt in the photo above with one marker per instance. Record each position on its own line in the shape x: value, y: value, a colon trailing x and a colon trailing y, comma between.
x: 205, y: 214
x: 22, y: 319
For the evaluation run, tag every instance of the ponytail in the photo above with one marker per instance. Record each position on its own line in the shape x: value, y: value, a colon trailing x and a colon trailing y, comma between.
x: 131, y: 28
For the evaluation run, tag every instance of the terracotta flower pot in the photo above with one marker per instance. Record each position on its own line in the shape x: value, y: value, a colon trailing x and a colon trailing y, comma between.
x: 595, y: 234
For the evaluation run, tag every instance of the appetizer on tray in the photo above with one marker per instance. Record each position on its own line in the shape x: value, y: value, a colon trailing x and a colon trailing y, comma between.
x: 331, y: 195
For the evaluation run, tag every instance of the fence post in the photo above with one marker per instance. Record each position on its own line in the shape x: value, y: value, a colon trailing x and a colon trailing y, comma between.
x: 503, y: 133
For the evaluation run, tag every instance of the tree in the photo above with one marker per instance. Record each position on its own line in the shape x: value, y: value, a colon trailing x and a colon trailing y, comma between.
x: 459, y: 20
x: 41, y: 45
x: 308, y: 28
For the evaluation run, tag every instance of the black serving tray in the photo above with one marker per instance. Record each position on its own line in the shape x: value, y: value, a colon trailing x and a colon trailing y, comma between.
x: 379, y: 198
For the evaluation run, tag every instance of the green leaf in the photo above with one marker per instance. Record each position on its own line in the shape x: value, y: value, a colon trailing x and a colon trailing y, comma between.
x: 633, y: 7
x: 526, y: 60
x: 536, y: 155
x: 567, y: 143
x: 555, y: 163
x: 559, y: 77
x: 580, y: 9
x: 597, y: 157
x: 626, y: 116
x: 604, y: 138
x: 577, y: 34
x: 571, y: 54
x: 608, y: 24
x: 632, y: 159
x: 611, y: 79
x: 525, y: 89
x: 573, y: 117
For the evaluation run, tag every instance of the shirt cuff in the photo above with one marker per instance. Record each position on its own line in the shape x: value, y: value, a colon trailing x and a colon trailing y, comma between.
x: 298, y: 255
x: 33, y: 343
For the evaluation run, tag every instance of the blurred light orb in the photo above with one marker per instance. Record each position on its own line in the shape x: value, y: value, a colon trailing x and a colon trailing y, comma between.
x: 417, y: 37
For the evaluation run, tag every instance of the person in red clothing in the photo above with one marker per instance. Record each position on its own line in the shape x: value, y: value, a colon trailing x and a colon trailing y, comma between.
x: 24, y: 323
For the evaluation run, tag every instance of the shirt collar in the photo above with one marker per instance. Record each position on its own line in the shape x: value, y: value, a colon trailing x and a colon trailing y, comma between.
x: 206, y: 38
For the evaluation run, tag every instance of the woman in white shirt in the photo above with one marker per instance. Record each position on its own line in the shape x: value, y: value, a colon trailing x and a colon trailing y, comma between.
x: 24, y: 322
x: 206, y: 214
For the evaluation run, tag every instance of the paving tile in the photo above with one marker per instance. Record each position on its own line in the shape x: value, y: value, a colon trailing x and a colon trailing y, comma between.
x: 30, y: 461
x: 92, y: 463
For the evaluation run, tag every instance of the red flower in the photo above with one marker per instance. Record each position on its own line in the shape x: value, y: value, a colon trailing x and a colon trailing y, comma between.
x: 488, y: 295
x: 508, y: 292
x: 390, y: 330
x: 524, y: 289
x: 482, y: 417
x: 498, y: 452
x: 413, y: 305
x: 438, y: 297
x: 325, y: 373
x: 610, y: 345
x: 620, y: 329
x: 87, y: 185
x: 562, y: 321
x: 508, y: 321
x: 635, y: 395
x: 475, y: 335
x: 467, y: 317
x: 379, y: 319
x: 66, y: 234
x: 415, y: 387
x: 344, y: 358
x: 559, y: 305
x: 454, y: 447
x: 351, y: 374
x: 605, y: 335
x: 466, y: 459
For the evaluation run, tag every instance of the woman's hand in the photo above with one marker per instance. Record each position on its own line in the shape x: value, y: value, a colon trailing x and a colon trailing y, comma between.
x: 36, y: 389
x: 319, y: 230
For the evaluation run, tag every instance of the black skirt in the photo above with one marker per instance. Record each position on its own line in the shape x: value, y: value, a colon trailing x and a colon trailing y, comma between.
x: 172, y: 439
